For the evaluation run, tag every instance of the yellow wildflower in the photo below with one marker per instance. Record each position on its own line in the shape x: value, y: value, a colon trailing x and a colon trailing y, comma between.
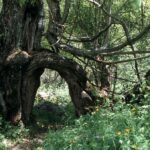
x: 118, y: 133
x: 96, y: 108
x: 134, y: 146
x: 127, y: 130
x: 133, y: 109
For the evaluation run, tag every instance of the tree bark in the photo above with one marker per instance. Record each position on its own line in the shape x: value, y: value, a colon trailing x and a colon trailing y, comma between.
x: 10, y: 73
x: 13, y: 25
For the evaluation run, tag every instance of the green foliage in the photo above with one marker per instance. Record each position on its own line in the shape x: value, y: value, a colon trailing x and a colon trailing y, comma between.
x: 10, y: 133
x: 58, y: 93
x: 124, y: 128
x: 1, y: 136
x: 136, y: 4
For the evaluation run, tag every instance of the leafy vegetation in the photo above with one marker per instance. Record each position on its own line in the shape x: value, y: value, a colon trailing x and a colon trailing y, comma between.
x: 116, y: 78
x: 124, y: 128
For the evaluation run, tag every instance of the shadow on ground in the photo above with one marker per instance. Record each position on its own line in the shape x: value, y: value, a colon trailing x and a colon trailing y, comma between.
x: 53, y: 116
x: 46, y: 117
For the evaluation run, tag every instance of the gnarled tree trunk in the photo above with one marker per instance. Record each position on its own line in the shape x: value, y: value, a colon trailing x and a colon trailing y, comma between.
x: 13, y: 26
x: 21, y: 66
x: 72, y: 72
x: 10, y: 71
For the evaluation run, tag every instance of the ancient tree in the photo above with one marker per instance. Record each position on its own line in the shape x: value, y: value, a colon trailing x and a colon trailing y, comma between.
x: 23, y: 58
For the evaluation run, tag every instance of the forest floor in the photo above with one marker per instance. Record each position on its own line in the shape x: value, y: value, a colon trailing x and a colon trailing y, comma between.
x: 49, y: 114
x: 34, y: 136
x: 27, y: 143
x: 55, y: 127
x: 125, y: 127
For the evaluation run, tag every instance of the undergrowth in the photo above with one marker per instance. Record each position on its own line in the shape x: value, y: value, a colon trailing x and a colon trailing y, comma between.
x: 124, y: 128
x: 10, y: 134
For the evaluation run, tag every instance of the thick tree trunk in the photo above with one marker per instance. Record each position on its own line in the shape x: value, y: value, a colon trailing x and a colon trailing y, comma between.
x: 13, y: 61
x: 32, y: 25
x: 10, y: 73
x: 29, y: 88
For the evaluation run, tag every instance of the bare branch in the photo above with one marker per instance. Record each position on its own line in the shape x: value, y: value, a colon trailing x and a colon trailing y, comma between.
x: 87, y: 39
x: 90, y: 53
x: 126, y: 53
x: 78, y: 52
x: 127, y: 60
x: 96, y: 3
